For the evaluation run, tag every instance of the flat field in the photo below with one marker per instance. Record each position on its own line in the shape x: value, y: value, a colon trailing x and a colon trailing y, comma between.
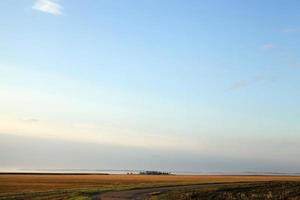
x: 289, y: 190
x: 20, y: 186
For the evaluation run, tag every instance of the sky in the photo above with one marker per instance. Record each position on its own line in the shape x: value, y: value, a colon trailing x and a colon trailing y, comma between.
x: 165, y: 85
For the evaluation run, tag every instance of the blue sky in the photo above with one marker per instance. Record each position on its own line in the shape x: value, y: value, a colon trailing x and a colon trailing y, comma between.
x: 212, y: 79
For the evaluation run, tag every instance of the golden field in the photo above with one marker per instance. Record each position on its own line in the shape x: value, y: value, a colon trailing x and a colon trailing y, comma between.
x: 14, y: 184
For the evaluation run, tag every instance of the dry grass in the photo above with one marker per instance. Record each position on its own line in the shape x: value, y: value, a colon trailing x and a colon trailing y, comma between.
x: 232, y: 191
x: 13, y: 184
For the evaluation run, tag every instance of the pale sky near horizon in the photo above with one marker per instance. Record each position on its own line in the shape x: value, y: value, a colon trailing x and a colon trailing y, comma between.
x: 186, y: 85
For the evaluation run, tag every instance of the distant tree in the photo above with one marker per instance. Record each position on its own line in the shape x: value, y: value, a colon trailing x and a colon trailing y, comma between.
x: 154, y: 173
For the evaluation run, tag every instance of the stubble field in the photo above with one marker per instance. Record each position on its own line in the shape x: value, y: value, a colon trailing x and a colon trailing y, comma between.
x: 20, y: 186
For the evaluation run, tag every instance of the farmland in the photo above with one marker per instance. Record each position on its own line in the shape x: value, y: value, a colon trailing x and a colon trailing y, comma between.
x: 244, y: 191
x: 22, y: 186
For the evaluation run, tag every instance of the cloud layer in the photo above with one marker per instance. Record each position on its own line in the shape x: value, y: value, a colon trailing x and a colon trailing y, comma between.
x: 48, y: 6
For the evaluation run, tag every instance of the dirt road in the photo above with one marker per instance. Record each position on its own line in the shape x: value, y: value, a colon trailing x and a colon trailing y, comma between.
x: 144, y: 194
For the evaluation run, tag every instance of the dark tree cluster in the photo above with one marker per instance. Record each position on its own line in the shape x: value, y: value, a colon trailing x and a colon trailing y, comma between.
x: 154, y: 173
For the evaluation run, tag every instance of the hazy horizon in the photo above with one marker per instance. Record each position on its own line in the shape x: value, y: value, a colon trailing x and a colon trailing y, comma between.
x: 158, y: 85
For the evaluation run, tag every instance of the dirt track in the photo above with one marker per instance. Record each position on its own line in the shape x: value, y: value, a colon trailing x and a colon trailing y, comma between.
x: 239, y: 190
x: 143, y: 194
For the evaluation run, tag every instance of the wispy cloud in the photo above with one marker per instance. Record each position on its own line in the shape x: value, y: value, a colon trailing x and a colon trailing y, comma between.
x: 48, y: 6
x: 268, y: 46
x: 241, y: 84
x: 290, y: 30
x: 30, y: 120
x: 260, y: 78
